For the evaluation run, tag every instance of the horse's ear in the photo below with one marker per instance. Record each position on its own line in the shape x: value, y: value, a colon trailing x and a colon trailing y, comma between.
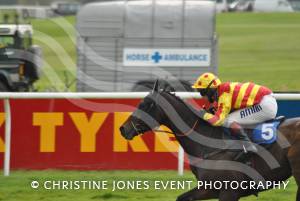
x: 155, y: 87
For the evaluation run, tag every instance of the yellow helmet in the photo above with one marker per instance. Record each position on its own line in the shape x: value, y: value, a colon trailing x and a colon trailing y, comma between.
x: 207, y: 80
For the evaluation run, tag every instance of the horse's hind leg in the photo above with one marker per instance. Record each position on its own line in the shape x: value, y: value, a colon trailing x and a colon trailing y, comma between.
x: 197, y: 194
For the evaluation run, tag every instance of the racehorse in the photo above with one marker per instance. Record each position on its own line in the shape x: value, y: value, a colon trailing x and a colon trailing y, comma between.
x: 209, y: 148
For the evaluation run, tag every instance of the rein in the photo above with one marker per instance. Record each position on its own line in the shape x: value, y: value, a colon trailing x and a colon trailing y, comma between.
x: 185, y: 134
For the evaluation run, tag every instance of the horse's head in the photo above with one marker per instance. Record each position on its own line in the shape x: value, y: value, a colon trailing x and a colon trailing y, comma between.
x: 146, y: 117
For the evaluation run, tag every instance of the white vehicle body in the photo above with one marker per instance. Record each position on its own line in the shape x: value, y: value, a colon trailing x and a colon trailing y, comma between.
x: 272, y: 6
x: 10, y: 29
x: 121, y: 43
x: 221, y: 6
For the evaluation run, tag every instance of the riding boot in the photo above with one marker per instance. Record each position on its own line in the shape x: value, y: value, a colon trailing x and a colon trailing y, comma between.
x: 247, y: 145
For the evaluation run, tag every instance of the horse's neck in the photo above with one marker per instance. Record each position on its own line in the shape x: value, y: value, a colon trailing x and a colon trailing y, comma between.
x: 187, y: 141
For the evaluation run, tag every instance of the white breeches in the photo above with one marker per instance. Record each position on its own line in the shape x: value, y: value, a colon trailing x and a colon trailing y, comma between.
x: 264, y: 111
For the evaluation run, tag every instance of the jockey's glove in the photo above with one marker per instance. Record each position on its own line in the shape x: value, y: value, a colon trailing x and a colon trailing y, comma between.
x: 211, y: 110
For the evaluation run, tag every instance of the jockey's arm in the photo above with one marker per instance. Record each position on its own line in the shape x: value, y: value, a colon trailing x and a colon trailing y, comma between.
x: 224, y: 108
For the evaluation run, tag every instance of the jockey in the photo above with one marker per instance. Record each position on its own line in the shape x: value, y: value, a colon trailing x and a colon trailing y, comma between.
x: 238, y: 104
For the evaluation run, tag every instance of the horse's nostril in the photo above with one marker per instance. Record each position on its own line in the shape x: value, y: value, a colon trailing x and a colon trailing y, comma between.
x: 122, y: 130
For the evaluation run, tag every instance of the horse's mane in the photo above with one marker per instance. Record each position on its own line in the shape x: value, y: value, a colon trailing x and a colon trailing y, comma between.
x: 188, y: 106
x: 212, y: 131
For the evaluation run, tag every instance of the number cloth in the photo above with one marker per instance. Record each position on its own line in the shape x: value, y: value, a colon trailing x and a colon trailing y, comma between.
x: 265, y: 133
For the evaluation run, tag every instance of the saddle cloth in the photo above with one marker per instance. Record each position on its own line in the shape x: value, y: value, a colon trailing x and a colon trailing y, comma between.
x: 266, y: 133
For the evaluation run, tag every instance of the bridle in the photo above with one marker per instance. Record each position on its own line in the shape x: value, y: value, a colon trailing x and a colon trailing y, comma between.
x: 134, y: 127
x: 184, y: 134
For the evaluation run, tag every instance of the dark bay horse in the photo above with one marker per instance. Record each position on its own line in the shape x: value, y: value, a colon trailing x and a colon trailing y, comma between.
x: 200, y: 141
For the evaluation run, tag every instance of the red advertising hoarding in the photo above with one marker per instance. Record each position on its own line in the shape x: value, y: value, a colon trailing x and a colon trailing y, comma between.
x: 82, y: 134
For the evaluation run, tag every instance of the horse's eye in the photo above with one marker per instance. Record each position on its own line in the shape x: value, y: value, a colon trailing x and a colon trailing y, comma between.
x: 142, y: 105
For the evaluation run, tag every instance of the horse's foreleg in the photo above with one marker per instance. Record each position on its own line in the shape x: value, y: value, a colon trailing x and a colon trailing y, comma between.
x: 229, y: 196
x: 197, y: 194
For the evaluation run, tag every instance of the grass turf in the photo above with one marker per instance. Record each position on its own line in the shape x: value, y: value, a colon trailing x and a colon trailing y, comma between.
x: 57, y: 37
x: 258, y: 47
x: 17, y: 186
